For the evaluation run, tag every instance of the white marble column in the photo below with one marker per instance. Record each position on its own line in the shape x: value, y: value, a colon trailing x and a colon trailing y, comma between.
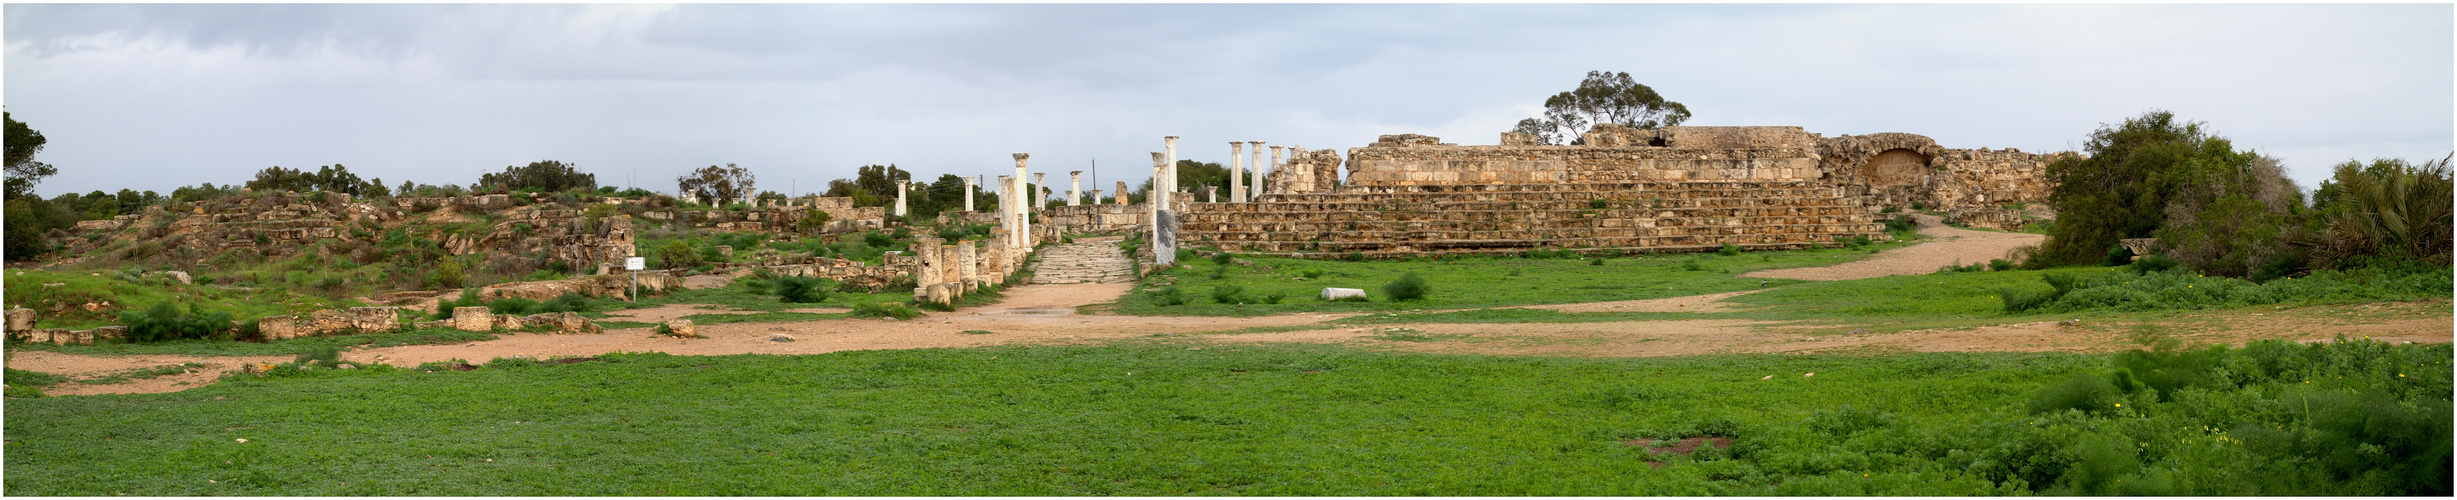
x: 1074, y: 188
x: 1158, y: 195
x: 1023, y: 218
x: 969, y: 182
x: 1247, y: 195
x: 901, y: 187
x: 1040, y: 203
x: 1237, y: 154
x: 1171, y: 168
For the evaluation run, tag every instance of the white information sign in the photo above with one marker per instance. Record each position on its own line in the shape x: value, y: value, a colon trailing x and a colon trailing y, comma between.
x: 635, y: 263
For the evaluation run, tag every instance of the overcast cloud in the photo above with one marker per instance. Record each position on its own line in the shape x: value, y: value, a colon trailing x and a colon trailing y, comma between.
x: 152, y: 97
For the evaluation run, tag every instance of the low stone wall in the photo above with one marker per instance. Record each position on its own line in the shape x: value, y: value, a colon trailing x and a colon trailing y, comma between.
x: 329, y: 322
x: 480, y: 319
x: 1084, y: 219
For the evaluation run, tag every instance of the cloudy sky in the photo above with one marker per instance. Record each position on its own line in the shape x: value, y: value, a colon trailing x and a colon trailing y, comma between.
x: 152, y: 97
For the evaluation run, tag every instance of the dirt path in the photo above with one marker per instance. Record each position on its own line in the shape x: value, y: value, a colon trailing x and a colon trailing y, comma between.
x: 1947, y: 246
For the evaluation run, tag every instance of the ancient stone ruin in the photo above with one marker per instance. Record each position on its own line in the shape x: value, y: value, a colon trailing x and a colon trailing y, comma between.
x: 1669, y: 189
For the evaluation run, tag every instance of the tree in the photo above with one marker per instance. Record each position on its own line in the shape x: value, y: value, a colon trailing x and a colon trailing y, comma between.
x: 2124, y: 187
x: 1602, y: 98
x: 23, y: 171
x: 716, y: 185
x: 543, y: 175
x: 333, y: 178
x: 2388, y: 210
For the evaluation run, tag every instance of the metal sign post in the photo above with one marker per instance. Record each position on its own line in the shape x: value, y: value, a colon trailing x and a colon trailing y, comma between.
x: 635, y: 264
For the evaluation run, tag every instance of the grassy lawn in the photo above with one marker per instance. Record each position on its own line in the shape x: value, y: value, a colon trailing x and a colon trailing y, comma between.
x: 1161, y: 418
x: 1466, y: 282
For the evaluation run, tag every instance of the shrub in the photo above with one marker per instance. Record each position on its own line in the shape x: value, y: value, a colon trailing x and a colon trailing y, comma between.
x: 2152, y: 263
x: 1407, y: 287
x: 1595, y: 262
x: 1228, y: 294
x: 1731, y: 250
x: 2000, y: 265
x: 877, y: 240
x: 676, y: 254
x: 1274, y: 297
x: 1598, y: 203
x: 1168, y: 296
x: 1223, y: 258
x: 1311, y: 273
x: 513, y: 306
x: 2022, y: 300
x: 568, y: 302
x: 1693, y: 264
x: 896, y: 310
x: 448, y: 273
x: 1962, y: 268
x: 165, y: 321
x: 801, y: 290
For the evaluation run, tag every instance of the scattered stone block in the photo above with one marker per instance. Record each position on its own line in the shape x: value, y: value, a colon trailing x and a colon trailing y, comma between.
x: 681, y: 328
x: 20, y: 320
x: 473, y: 319
x: 279, y: 327
x: 1341, y: 293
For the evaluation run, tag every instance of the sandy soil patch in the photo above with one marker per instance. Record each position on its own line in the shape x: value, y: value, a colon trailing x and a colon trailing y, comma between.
x: 1947, y: 245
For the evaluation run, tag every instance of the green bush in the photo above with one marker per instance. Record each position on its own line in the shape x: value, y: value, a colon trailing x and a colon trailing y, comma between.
x: 801, y: 290
x: 2000, y: 265
x: 1311, y: 273
x: 1223, y: 258
x: 1228, y: 294
x: 513, y: 306
x: 1274, y: 297
x: 568, y: 302
x: 1168, y: 296
x: 877, y: 240
x: 896, y: 310
x: 1731, y: 250
x: 2152, y: 263
x: 1407, y: 287
x: 165, y: 321
x: 678, y: 254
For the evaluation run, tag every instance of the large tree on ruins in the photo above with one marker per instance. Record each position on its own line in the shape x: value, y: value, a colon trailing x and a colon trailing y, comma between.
x: 1602, y: 98
x: 716, y: 185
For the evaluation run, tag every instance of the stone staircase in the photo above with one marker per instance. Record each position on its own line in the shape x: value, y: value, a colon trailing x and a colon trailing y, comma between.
x: 1084, y: 261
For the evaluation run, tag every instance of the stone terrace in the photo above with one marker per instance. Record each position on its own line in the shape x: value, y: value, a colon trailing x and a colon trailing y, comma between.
x: 1399, y: 221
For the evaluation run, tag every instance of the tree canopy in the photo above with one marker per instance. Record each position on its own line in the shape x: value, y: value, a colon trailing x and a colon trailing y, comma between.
x: 1603, y: 97
x: 2141, y: 173
x: 333, y: 178
x: 544, y: 175
x: 23, y: 143
x: 716, y: 185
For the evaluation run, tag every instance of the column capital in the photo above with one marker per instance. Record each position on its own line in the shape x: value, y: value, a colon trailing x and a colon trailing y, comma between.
x: 1256, y: 143
x: 1074, y: 172
x: 1019, y: 157
x: 1159, y: 159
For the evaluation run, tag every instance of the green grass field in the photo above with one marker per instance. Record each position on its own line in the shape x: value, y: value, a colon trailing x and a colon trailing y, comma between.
x: 1467, y: 282
x: 1163, y: 418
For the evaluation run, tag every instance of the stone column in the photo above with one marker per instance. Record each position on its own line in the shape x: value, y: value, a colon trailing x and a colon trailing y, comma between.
x: 1237, y: 154
x: 901, y: 187
x: 1158, y: 195
x: 1040, y: 203
x: 1074, y: 188
x: 1006, y: 219
x: 1248, y: 194
x: 1172, y: 167
x: 1275, y: 160
x: 968, y: 191
x: 1211, y: 194
x: 1023, y: 218
x: 968, y: 262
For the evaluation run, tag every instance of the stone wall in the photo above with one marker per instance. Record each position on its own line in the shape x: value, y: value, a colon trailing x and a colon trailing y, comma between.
x: 1668, y: 189
x: 1088, y: 219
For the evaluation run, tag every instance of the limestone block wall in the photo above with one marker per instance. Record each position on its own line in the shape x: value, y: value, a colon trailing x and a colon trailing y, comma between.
x: 1404, y: 220
x: 1480, y: 165
x: 1085, y: 219
x: 561, y: 234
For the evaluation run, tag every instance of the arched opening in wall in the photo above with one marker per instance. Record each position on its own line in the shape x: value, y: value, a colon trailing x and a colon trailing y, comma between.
x: 1894, y: 167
